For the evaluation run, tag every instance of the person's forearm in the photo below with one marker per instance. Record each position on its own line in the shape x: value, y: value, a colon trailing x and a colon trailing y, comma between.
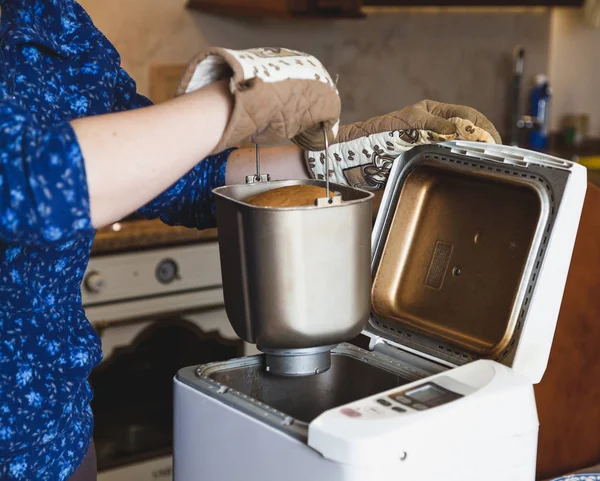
x: 131, y: 157
x: 281, y: 163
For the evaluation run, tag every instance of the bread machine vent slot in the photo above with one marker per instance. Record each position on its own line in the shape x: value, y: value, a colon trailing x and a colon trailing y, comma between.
x: 439, y: 265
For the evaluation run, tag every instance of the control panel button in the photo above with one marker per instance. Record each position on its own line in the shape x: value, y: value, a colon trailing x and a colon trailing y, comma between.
x: 419, y: 406
x: 383, y: 402
x: 167, y: 271
x: 351, y: 413
x: 398, y: 409
x: 94, y: 282
x: 404, y: 400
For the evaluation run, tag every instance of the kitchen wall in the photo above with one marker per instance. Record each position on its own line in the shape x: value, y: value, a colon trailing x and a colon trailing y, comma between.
x: 574, y: 67
x: 385, y: 62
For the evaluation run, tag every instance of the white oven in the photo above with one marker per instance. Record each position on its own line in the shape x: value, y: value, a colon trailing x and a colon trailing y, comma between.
x: 156, y: 310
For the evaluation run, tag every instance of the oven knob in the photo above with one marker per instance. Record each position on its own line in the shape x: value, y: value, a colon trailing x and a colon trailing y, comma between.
x: 167, y: 271
x: 94, y: 282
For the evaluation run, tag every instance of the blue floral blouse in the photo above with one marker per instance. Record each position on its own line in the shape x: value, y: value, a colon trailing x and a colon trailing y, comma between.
x: 56, y: 66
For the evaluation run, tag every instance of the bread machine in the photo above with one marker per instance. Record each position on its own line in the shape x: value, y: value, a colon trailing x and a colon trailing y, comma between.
x: 469, y: 258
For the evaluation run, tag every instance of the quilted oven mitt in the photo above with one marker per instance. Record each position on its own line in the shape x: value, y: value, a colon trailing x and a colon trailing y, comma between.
x: 279, y: 94
x: 363, y: 153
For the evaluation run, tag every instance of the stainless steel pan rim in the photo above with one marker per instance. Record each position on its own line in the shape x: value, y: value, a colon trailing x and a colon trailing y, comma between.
x: 352, y: 194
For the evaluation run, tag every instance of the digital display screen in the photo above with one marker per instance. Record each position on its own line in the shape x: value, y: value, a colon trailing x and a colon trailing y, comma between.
x: 432, y: 395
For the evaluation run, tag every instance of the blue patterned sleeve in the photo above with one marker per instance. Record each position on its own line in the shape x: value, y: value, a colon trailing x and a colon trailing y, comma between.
x: 189, y: 202
x: 43, y: 188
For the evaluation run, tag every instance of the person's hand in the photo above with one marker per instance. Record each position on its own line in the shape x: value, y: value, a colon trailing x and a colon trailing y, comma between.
x: 279, y: 95
x: 363, y: 153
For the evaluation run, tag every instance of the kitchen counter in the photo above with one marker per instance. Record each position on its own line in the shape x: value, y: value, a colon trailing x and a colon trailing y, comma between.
x: 143, y: 234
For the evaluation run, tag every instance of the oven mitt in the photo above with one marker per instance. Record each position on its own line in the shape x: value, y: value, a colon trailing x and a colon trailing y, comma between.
x: 363, y: 153
x: 280, y: 95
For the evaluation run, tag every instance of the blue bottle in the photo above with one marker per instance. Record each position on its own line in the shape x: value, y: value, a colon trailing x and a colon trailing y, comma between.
x: 540, y: 111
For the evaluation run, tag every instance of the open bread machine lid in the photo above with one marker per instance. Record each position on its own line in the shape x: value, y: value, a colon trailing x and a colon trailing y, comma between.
x: 471, y: 251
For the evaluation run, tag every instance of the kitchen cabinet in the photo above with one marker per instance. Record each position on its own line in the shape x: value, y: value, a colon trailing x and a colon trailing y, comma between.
x: 567, y: 398
x: 347, y: 8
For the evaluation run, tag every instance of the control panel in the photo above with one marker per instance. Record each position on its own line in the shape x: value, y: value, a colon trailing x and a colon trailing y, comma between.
x: 140, y: 275
x: 426, y: 396
x: 417, y: 398
x: 444, y: 418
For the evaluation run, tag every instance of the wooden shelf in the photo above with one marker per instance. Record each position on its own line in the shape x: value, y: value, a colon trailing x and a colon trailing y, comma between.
x: 335, y: 9
x: 280, y: 9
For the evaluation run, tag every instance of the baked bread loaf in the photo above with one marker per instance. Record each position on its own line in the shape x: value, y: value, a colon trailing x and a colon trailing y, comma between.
x: 289, y: 196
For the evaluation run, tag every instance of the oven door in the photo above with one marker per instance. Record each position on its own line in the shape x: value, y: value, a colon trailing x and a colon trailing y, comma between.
x: 133, y: 405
